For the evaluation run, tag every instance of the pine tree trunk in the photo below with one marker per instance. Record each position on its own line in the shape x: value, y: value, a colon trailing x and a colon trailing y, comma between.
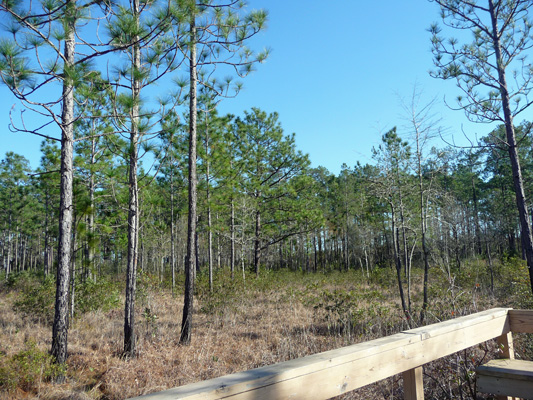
x: 219, y: 249
x: 46, y: 237
x: 172, y: 225
x: 513, y: 151
x: 73, y: 277
x: 208, y: 199
x: 320, y: 251
x: 60, y: 326
x: 315, y: 253
x: 423, y: 228
x: 257, y: 242
x: 477, y: 229
x: 232, y: 238
x: 92, y: 186
x: 398, y: 262
x: 190, y: 262
x: 133, y: 205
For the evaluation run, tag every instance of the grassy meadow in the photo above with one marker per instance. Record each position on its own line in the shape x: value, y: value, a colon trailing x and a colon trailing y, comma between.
x: 242, y: 324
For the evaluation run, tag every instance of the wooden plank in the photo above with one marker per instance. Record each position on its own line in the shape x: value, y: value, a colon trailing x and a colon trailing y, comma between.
x: 521, y: 321
x: 505, y: 388
x: 335, y: 372
x: 506, y: 349
x: 413, y: 384
x: 506, y: 377
x: 516, y: 369
x: 506, y: 345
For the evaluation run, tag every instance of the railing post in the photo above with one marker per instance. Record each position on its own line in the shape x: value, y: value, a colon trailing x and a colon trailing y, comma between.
x: 505, y: 345
x: 506, y: 349
x: 413, y: 384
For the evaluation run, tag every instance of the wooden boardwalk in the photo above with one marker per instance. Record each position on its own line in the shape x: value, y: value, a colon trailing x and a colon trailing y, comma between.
x: 325, y: 375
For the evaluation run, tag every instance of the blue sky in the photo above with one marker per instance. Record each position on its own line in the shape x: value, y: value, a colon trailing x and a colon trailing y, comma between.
x: 336, y: 74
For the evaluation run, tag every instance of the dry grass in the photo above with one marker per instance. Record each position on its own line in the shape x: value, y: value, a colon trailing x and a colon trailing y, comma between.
x: 253, y: 326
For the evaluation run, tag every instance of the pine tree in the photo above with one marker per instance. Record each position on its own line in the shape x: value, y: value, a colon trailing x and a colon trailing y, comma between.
x: 218, y: 33
x: 393, y: 156
x: 501, y: 36
x: 275, y: 179
x: 41, y: 53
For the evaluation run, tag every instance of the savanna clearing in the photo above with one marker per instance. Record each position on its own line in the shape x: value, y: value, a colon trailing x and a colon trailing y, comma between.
x: 242, y: 324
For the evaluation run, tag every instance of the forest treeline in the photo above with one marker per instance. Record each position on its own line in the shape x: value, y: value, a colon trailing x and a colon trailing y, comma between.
x: 261, y: 206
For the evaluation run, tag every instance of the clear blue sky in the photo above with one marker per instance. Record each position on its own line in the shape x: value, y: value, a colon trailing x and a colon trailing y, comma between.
x: 335, y: 75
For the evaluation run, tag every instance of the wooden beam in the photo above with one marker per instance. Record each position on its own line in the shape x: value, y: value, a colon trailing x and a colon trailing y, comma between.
x: 521, y: 321
x: 506, y: 350
x: 506, y: 378
x: 506, y: 345
x: 329, y: 374
x: 413, y: 384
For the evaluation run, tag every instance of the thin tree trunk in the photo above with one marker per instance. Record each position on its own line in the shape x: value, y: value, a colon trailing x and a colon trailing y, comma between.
x: 315, y: 253
x: 423, y: 228
x: 491, y: 269
x: 257, y: 242
x: 232, y: 238
x: 172, y: 222
x: 16, y: 247
x: 92, y: 186
x: 208, y: 199
x: 477, y: 229
x: 46, y: 237
x: 320, y: 250
x: 23, y: 250
x: 190, y: 263
x: 9, y: 249
x: 73, y: 277
x: 133, y: 207
x: 60, y: 326
x: 513, y: 151
x: 398, y: 261
x: 219, y: 249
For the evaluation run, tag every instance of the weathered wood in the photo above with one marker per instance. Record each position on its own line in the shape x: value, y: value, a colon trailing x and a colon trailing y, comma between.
x: 506, y: 377
x: 521, y: 321
x: 328, y: 374
x: 413, y: 384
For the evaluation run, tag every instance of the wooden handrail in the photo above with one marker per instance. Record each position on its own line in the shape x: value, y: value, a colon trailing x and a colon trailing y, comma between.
x: 521, y: 321
x: 325, y: 375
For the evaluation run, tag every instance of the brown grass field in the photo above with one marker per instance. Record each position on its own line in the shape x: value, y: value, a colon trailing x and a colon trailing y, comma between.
x: 242, y: 325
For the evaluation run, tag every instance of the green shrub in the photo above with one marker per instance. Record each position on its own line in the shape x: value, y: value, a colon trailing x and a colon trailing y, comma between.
x: 27, y: 369
x: 383, y: 276
x: 225, y: 292
x: 24, y: 280
x: 100, y: 295
x: 36, y: 298
x: 146, y: 283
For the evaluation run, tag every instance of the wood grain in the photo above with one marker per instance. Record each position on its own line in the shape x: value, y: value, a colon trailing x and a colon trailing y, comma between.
x: 328, y: 374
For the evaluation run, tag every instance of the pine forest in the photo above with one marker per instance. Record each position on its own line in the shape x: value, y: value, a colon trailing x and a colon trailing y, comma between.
x: 160, y: 241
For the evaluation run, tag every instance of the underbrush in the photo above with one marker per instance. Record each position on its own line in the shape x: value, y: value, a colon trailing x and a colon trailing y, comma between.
x: 36, y: 295
x: 27, y: 369
x: 241, y: 324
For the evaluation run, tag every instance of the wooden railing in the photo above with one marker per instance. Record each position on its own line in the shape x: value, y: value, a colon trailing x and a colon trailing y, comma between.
x: 325, y: 375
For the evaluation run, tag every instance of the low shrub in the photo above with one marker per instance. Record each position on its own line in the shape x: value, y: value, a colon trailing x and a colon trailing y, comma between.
x: 27, y: 369
x: 100, y: 295
x: 36, y: 299
x: 36, y: 295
